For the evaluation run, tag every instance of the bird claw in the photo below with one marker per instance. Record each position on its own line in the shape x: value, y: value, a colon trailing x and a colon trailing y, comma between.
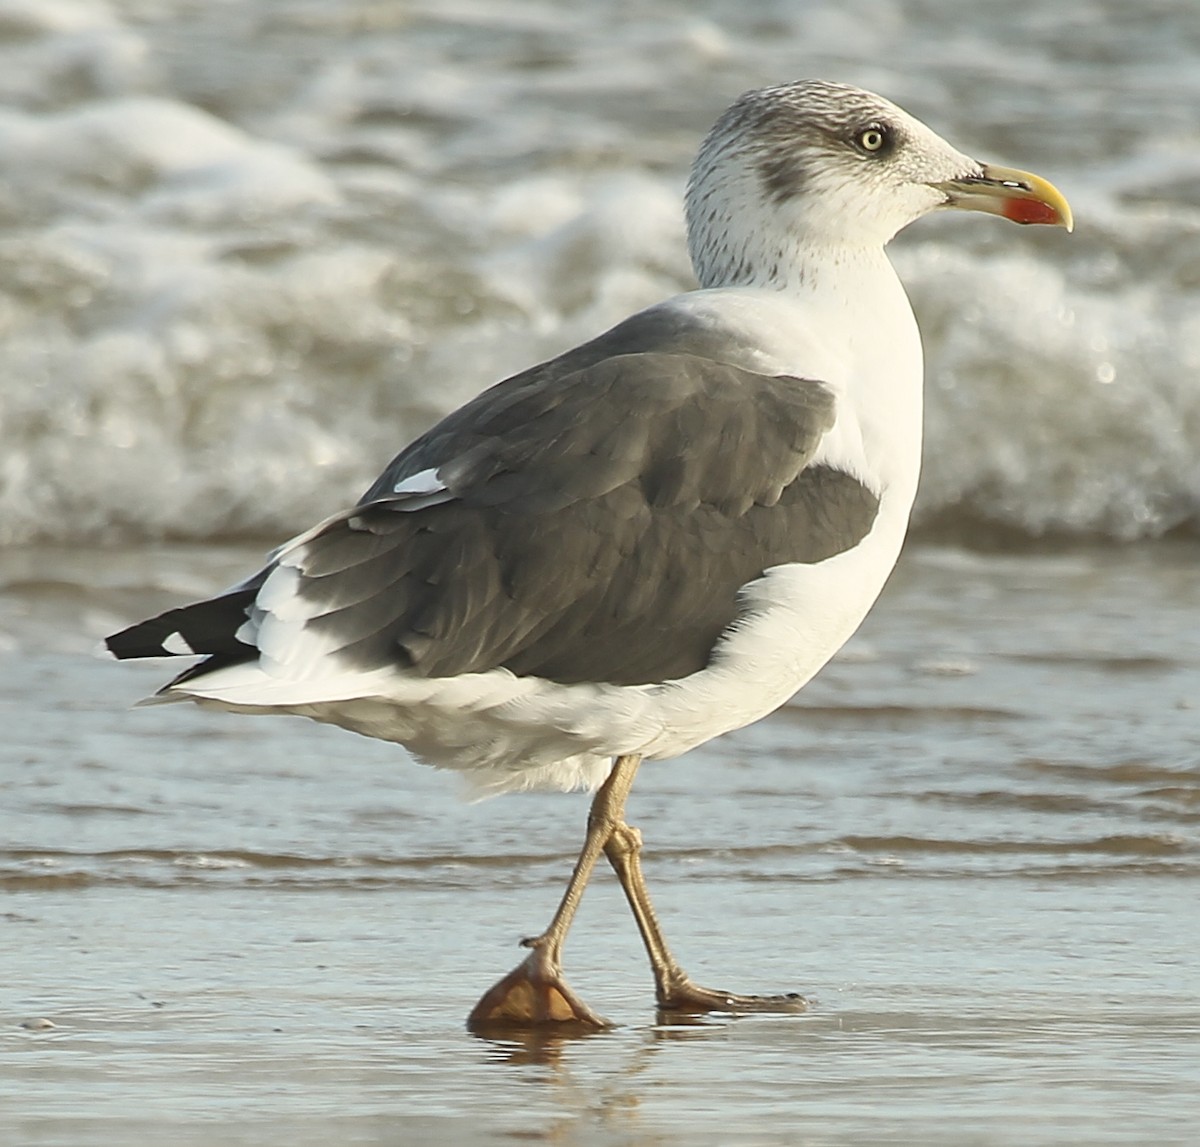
x: 682, y: 996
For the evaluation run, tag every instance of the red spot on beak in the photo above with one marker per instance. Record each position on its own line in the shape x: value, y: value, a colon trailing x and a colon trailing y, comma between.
x: 1030, y: 211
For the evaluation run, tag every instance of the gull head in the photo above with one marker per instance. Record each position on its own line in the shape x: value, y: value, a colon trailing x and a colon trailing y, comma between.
x: 822, y: 169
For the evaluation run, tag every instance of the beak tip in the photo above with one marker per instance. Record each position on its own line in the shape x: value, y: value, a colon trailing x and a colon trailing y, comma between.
x: 1018, y: 196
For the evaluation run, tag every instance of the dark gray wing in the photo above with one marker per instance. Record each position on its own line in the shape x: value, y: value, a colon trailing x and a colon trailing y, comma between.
x: 601, y: 512
x: 600, y: 524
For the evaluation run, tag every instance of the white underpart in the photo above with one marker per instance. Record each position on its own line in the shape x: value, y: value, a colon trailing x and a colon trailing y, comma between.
x: 506, y: 732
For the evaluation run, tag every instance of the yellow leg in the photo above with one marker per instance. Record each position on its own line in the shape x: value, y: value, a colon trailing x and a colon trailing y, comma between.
x: 674, y: 988
x: 535, y: 993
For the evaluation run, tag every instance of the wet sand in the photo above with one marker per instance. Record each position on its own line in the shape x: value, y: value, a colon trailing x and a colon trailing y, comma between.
x: 973, y: 842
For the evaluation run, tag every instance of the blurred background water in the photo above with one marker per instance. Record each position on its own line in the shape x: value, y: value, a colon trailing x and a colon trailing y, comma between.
x: 248, y: 249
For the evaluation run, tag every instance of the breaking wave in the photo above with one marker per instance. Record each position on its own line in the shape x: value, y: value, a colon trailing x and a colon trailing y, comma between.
x: 229, y: 293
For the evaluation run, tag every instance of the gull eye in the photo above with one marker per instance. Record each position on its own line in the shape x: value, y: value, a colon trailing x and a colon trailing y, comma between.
x: 873, y: 139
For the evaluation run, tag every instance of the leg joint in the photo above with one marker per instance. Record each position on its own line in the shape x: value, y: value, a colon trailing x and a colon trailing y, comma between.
x: 625, y: 841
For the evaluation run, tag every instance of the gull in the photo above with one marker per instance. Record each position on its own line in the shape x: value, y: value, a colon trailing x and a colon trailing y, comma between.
x: 655, y: 538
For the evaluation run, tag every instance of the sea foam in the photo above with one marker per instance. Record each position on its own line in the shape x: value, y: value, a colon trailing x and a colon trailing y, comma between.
x: 245, y: 257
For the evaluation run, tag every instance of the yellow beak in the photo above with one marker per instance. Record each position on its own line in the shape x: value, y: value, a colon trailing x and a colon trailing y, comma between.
x: 1017, y: 195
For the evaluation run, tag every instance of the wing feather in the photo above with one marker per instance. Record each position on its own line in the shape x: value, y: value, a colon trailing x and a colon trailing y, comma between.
x: 592, y: 519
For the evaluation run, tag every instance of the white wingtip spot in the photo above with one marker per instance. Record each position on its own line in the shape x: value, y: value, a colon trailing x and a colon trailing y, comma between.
x: 177, y: 644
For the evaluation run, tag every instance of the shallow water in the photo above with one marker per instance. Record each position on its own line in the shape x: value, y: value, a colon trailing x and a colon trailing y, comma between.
x: 973, y: 842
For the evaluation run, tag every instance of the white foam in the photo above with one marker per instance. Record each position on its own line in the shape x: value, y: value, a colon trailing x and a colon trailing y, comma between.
x: 1054, y: 408
x: 28, y: 17
x: 232, y: 288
